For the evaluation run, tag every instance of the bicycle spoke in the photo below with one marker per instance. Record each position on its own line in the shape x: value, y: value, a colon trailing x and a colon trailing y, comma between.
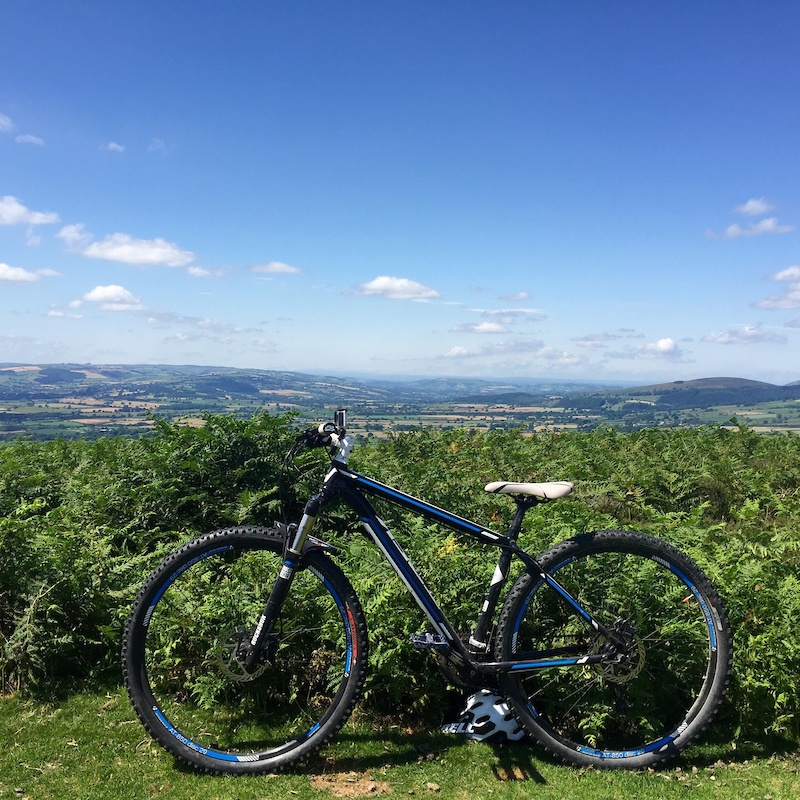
x: 190, y: 629
x: 652, y: 666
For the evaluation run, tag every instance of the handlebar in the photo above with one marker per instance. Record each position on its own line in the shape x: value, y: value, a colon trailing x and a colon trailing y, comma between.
x: 326, y: 434
x: 331, y: 433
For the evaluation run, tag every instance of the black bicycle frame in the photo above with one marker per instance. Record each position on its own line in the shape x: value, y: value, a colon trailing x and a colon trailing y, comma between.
x: 351, y: 487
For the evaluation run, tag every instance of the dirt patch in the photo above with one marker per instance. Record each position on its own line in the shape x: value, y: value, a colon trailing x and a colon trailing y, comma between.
x: 349, y: 784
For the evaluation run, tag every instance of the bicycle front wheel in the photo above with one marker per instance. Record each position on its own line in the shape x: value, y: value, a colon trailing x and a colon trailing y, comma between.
x: 666, y: 674
x: 180, y: 654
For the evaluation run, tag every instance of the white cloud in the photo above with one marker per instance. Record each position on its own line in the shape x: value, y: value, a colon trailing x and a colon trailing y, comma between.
x: 661, y: 347
x: 12, y: 212
x: 508, y: 347
x: 16, y: 274
x: 789, y: 299
x: 275, y: 268
x: 481, y: 327
x: 208, y: 327
x: 755, y: 207
x: 508, y: 315
x: 666, y: 348
x: 595, y: 340
x: 27, y: 138
x: 458, y: 352
x: 789, y: 274
x: 27, y: 348
x: 57, y: 312
x: 198, y: 272
x: 74, y: 236
x: 558, y: 358
x: 180, y: 337
x: 6, y: 126
x: 768, y: 225
x: 397, y: 289
x: 124, y: 248
x: 115, y: 147
x: 744, y: 334
x: 630, y: 333
x: 112, y: 298
x: 600, y: 340
x: 508, y: 350
x: 511, y: 298
x: 791, y: 294
x: 157, y: 145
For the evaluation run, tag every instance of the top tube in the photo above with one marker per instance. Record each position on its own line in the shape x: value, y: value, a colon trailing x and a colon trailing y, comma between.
x: 357, y: 481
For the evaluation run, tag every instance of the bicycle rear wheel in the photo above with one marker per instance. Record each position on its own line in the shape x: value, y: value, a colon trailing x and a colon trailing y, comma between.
x: 672, y: 668
x: 185, y: 682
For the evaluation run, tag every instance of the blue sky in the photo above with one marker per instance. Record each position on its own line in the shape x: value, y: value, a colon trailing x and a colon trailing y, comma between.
x: 588, y: 190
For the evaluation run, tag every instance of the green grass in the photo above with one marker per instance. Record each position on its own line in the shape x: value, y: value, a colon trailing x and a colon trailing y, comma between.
x: 91, y: 746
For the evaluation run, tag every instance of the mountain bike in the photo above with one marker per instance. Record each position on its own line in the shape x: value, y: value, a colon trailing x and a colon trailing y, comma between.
x: 246, y: 649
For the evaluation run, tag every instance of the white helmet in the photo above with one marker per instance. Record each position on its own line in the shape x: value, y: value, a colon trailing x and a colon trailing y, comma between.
x: 486, y: 717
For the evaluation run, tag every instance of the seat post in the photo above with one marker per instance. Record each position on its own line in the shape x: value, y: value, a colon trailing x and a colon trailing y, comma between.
x: 523, y: 504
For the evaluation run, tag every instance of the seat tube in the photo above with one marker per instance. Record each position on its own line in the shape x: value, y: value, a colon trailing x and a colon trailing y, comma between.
x: 480, y: 639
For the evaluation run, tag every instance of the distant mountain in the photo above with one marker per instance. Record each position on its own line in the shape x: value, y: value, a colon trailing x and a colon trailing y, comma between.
x: 171, y: 382
x: 698, y: 393
x: 38, y: 381
x: 701, y: 384
x: 45, y: 401
x: 715, y: 392
x: 193, y: 382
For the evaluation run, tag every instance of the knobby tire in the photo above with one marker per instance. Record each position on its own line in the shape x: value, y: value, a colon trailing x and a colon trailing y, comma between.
x: 179, y: 654
x: 663, y: 691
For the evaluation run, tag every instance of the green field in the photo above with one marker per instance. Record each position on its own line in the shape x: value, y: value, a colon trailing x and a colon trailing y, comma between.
x: 91, y: 746
x: 80, y: 401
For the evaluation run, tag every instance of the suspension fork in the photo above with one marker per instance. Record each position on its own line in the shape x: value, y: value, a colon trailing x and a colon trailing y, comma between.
x: 280, y: 589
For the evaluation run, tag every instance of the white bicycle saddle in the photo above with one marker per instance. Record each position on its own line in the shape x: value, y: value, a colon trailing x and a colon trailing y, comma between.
x: 547, y: 491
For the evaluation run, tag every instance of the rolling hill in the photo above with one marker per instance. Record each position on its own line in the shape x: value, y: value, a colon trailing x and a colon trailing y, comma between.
x: 88, y: 400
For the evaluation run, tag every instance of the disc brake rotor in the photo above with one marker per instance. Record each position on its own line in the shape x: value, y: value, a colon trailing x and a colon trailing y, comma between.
x: 226, y: 648
x: 624, y: 662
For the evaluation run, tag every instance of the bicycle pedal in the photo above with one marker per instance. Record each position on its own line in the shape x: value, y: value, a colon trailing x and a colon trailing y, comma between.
x: 429, y: 641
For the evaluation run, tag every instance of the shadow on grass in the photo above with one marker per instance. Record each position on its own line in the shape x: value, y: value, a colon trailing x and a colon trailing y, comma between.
x: 369, y: 751
x: 517, y: 761
x: 708, y: 752
x: 397, y: 748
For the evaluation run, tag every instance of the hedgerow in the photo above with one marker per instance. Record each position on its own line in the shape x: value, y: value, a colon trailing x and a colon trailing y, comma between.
x: 82, y: 524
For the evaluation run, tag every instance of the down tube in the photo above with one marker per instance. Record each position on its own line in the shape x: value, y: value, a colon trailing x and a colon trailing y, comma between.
x: 411, y: 579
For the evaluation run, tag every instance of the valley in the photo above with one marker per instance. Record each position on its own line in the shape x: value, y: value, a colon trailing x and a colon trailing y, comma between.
x: 89, y: 401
